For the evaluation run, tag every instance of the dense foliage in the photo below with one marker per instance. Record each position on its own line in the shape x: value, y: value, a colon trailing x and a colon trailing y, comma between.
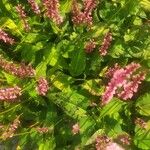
x: 74, y: 74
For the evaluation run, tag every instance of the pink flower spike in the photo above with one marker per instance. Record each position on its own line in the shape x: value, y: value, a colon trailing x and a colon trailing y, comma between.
x: 5, y: 38
x: 131, y: 68
x: 85, y: 16
x: 11, y: 129
x: 131, y: 87
x: 105, y: 44
x: 117, y: 80
x: 34, y: 6
x: 23, y: 16
x: 10, y: 94
x: 21, y: 71
x: 77, y: 15
x: 89, y: 6
x: 42, y: 87
x: 89, y: 46
x: 52, y: 10
x: 121, y: 79
x: 111, y: 71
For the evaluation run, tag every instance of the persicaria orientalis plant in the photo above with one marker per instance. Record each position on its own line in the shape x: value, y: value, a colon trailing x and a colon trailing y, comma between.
x: 74, y: 74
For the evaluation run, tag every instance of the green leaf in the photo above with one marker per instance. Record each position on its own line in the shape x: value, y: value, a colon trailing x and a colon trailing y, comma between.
x: 111, y: 108
x: 48, y: 144
x: 78, y: 62
x: 41, y: 70
x: 62, y: 81
x: 11, y: 79
x: 143, y: 105
x: 53, y: 56
x: 142, y: 139
x: 145, y: 4
x: 6, y: 22
x: 87, y: 127
x: 66, y: 6
x: 34, y: 37
x: 93, y: 87
x: 71, y: 102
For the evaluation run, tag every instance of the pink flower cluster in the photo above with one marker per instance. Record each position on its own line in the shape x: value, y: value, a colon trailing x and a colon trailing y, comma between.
x: 11, y: 130
x: 75, y: 128
x: 105, y: 143
x: 42, y: 86
x: 21, y: 71
x: 105, y: 44
x: 110, y: 71
x: 42, y: 130
x: 23, y: 16
x: 89, y: 46
x: 52, y: 10
x: 10, y: 94
x: 102, y: 142
x: 114, y: 146
x: 34, y: 6
x: 140, y: 122
x: 124, y: 83
x: 131, y: 87
x: 5, y: 38
x: 125, y: 139
x: 85, y: 16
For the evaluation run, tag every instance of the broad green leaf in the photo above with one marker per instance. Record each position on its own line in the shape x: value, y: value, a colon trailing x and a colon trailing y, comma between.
x: 48, y: 144
x: 34, y: 37
x: 145, y: 4
x: 93, y: 87
x: 41, y: 69
x: 53, y: 56
x: 27, y: 52
x: 11, y: 79
x: 98, y: 31
x: 10, y: 24
x: 143, y: 105
x: 66, y: 6
x: 142, y: 138
x: 73, y: 105
x: 87, y: 127
x: 113, y: 128
x: 62, y: 81
x: 111, y: 108
x: 78, y: 62
x: 5, y: 8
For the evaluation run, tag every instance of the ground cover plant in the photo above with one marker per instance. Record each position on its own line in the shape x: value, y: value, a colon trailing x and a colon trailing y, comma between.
x: 74, y: 74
